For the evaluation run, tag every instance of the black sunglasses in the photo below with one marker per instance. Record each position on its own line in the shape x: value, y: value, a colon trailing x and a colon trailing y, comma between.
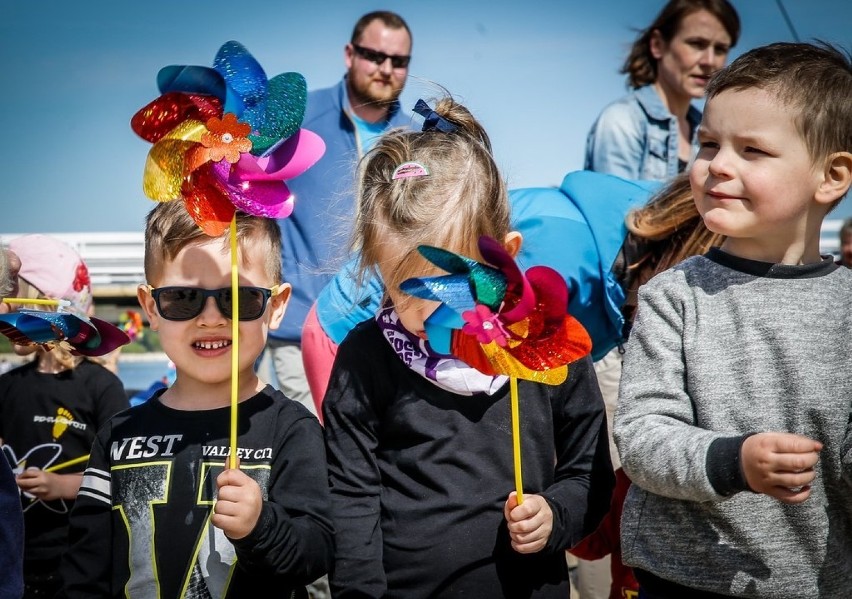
x: 379, y: 58
x: 185, y: 303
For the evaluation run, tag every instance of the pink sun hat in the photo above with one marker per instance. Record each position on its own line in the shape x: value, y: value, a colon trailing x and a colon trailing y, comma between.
x: 55, y: 269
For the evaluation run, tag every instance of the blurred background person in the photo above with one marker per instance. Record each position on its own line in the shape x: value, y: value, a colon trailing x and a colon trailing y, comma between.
x: 50, y: 410
x: 650, y: 132
x: 350, y: 117
x: 11, y: 515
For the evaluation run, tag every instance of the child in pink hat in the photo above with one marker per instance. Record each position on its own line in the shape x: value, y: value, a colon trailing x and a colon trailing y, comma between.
x: 50, y: 410
x: 55, y: 269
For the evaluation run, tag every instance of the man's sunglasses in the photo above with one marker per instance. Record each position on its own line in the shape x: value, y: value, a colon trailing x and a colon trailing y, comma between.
x: 379, y: 58
x: 185, y: 303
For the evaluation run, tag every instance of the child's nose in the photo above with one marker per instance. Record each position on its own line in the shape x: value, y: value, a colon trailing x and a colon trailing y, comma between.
x: 210, y: 312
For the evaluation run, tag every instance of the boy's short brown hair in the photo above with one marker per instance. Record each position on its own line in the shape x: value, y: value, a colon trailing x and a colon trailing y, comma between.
x: 816, y: 79
x: 169, y: 228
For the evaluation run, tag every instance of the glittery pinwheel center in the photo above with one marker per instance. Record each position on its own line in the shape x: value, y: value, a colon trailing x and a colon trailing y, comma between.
x: 226, y: 138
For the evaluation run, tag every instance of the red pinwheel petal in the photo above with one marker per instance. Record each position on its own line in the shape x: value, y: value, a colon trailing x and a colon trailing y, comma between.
x: 102, y: 338
x: 551, y: 290
x: 165, y: 113
x: 269, y: 199
x: 207, y: 203
x: 568, y: 342
x: 467, y: 349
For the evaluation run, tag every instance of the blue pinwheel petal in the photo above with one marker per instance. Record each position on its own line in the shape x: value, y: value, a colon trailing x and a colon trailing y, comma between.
x: 488, y: 283
x: 453, y: 290
x: 88, y: 337
x: 34, y: 326
x: 439, y: 328
x: 192, y: 80
x: 245, y: 79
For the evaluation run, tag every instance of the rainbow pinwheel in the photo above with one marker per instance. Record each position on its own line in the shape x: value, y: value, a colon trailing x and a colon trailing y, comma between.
x: 226, y: 138
x: 501, y: 321
x: 131, y: 323
x: 85, y: 336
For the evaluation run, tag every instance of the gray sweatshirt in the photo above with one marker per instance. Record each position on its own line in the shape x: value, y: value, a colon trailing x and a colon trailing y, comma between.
x: 722, y: 347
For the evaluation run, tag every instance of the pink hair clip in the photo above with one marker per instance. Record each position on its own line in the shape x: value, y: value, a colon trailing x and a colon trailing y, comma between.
x: 409, y: 169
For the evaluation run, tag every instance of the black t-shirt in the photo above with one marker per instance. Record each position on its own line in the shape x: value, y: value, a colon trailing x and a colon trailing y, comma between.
x: 46, y: 420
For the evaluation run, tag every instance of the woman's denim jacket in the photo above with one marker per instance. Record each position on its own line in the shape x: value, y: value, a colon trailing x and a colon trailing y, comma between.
x: 636, y: 137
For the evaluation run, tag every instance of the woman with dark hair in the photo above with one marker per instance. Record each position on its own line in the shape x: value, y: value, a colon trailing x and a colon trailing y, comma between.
x: 649, y: 133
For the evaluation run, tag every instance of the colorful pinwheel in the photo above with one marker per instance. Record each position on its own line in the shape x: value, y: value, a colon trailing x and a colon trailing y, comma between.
x: 85, y: 336
x: 501, y: 321
x: 226, y: 138
x: 131, y: 323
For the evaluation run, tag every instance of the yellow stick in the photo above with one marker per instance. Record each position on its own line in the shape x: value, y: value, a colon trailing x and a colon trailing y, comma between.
x: 36, y: 301
x: 235, y: 342
x: 516, y: 439
x: 82, y: 458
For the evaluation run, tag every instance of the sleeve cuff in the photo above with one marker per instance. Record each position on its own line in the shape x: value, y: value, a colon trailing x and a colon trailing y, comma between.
x: 724, y: 469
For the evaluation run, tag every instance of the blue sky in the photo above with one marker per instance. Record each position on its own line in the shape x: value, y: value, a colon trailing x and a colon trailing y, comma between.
x: 535, y: 73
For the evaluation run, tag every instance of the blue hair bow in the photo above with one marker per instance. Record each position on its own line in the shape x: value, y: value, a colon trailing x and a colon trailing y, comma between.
x: 434, y: 121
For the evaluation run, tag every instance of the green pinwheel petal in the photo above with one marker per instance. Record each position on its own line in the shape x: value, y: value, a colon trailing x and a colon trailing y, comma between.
x: 280, y: 116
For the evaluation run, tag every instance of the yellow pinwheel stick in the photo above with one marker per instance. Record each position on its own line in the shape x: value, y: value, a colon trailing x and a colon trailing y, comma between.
x: 36, y: 301
x: 68, y: 463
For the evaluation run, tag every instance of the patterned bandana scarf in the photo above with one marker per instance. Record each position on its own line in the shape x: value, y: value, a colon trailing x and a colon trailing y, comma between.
x: 441, y: 370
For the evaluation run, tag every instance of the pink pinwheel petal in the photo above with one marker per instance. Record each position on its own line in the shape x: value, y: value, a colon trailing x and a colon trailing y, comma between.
x: 107, y: 338
x: 269, y: 199
x: 518, y: 285
x: 292, y: 158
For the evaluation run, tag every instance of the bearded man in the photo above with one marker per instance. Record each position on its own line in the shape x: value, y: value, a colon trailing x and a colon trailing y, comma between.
x: 349, y: 116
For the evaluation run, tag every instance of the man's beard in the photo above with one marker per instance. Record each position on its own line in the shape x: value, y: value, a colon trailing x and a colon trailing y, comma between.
x: 363, y: 94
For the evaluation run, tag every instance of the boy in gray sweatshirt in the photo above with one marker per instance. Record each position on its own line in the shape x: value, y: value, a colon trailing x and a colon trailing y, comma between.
x: 734, y: 410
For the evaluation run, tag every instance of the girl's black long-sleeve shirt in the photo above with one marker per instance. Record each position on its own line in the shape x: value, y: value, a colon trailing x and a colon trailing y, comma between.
x: 419, y: 477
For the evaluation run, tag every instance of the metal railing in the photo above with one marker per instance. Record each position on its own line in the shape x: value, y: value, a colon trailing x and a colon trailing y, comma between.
x: 115, y: 260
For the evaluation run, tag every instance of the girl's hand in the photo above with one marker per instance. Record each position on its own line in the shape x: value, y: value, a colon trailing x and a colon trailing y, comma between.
x: 49, y: 486
x: 238, y: 505
x: 530, y: 523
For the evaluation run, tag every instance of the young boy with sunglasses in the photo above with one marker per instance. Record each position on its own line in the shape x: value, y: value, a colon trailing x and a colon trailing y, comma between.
x: 159, y: 511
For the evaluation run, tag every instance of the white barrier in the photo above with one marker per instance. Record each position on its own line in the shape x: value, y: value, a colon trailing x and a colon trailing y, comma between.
x: 116, y: 259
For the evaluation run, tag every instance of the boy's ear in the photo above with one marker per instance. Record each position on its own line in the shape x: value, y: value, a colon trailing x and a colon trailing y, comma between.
x: 279, y: 305
x: 146, y: 301
x: 513, y: 242
x: 837, y: 178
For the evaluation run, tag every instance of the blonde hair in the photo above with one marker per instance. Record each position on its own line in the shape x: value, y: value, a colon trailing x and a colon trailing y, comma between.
x: 7, y: 281
x: 169, y: 228
x: 462, y: 198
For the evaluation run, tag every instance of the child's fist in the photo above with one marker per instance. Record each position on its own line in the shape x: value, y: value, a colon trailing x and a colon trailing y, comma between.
x: 529, y: 523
